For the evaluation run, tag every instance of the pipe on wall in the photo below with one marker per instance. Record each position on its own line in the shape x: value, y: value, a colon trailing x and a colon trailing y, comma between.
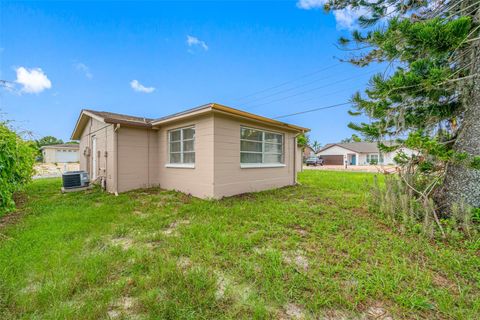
x: 115, y: 146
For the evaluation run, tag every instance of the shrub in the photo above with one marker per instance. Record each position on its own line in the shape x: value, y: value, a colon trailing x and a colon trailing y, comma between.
x: 16, y: 166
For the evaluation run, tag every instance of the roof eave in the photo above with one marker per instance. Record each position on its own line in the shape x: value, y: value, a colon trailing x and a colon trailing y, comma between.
x: 181, y: 116
x: 337, y: 145
x: 251, y: 116
x: 230, y: 111
x: 127, y: 123
x: 76, y: 134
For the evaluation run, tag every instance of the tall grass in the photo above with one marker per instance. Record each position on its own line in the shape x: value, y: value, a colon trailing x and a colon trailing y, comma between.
x: 396, y: 200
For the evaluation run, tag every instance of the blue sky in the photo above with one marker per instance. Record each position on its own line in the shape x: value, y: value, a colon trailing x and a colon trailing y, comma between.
x: 155, y: 58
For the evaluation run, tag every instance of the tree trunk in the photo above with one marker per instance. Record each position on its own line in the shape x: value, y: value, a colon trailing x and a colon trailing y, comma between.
x: 462, y: 182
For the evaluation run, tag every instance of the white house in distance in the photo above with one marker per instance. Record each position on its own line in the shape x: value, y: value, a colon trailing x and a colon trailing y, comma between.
x: 357, y: 153
x: 60, y: 153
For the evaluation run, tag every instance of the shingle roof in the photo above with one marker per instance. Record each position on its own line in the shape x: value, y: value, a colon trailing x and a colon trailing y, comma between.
x: 120, y: 118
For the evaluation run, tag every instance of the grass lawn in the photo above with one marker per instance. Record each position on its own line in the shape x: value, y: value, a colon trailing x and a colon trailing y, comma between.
x: 309, y: 251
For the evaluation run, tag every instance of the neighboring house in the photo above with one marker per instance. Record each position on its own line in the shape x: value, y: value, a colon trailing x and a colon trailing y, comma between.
x: 308, y: 152
x: 210, y: 151
x: 357, y: 153
x: 60, y: 153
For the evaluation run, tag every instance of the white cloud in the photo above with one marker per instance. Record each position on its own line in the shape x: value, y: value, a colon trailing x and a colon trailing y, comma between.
x: 311, y: 4
x: 346, y: 18
x: 137, y: 86
x: 84, y: 69
x: 32, y: 80
x: 194, y: 41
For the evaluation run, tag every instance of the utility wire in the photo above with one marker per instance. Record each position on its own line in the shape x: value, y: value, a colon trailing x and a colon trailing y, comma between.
x: 283, y: 91
x: 314, y: 89
x: 347, y: 103
x: 289, y: 81
x: 313, y: 110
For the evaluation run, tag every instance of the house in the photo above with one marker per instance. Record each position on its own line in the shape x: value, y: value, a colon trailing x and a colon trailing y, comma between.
x: 60, y: 153
x: 357, y: 153
x: 211, y: 151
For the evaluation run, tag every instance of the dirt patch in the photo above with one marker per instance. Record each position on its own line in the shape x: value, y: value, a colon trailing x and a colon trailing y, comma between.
x: 10, y: 218
x: 124, y: 243
x: 222, y: 284
x: 31, y: 287
x: 300, y: 230
x: 378, y: 313
x: 297, y: 259
x: 443, y: 282
x: 227, y: 285
x: 172, y: 228
x: 122, y: 307
x: 141, y: 214
x: 292, y: 311
x: 337, y: 315
x: 184, y: 263
x: 20, y: 199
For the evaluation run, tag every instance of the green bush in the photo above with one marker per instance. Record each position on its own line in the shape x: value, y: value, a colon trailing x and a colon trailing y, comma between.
x: 16, y: 166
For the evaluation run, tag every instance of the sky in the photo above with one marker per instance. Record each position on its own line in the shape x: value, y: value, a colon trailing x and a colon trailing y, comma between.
x: 152, y: 59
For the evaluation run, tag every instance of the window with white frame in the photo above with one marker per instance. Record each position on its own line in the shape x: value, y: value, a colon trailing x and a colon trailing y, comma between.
x: 181, y: 144
x: 260, y: 147
x: 374, y: 158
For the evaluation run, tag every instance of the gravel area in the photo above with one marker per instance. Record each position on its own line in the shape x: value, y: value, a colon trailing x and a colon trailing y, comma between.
x: 52, y: 170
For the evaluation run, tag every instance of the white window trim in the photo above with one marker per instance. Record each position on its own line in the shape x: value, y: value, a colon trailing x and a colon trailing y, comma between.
x: 181, y: 164
x: 263, y: 164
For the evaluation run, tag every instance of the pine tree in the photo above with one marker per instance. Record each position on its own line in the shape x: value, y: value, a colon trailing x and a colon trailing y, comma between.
x: 429, y: 97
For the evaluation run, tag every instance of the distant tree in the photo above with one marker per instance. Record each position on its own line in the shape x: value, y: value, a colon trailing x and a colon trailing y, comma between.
x: 48, y: 141
x: 316, y: 146
x: 353, y: 138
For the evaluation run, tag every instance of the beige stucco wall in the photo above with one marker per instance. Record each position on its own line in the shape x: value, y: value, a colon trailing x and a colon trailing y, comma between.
x: 105, y: 146
x: 197, y: 181
x: 48, y: 155
x: 299, y: 159
x: 137, y: 158
x: 229, y: 177
x: 143, y: 158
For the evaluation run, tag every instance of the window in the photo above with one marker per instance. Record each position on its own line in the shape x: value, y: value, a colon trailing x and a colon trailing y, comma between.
x: 181, y: 146
x: 260, y: 148
x: 374, y: 158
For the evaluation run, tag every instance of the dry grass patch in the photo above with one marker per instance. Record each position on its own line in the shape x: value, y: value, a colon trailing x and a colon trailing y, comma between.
x: 124, y: 243
x: 172, y: 228
x: 123, y: 308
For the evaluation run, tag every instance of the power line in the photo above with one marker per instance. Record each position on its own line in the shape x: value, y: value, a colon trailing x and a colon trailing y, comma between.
x: 285, y: 90
x: 347, y: 103
x: 313, y: 110
x: 287, y: 82
x: 314, y: 89
x: 350, y: 89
